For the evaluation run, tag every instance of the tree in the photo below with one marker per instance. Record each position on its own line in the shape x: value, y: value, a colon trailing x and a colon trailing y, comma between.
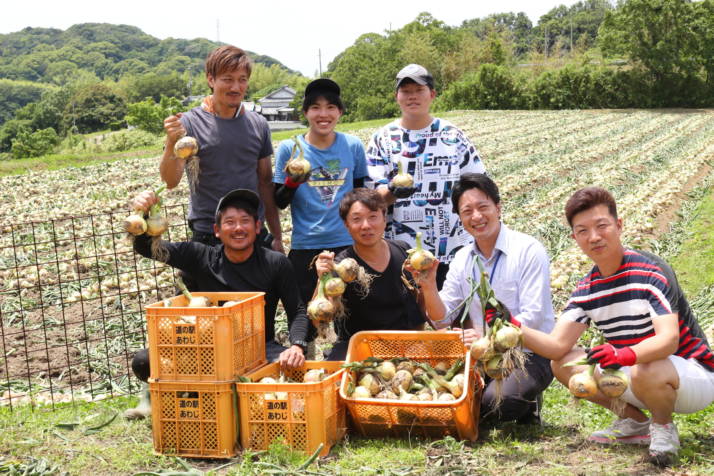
x: 93, y: 108
x: 659, y: 35
x: 149, y: 116
x: 34, y: 144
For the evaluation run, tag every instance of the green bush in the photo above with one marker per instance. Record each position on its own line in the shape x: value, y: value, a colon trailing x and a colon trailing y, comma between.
x: 34, y: 144
x: 130, y: 139
x: 489, y: 87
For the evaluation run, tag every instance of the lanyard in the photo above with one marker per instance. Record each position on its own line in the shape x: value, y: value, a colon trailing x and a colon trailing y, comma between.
x: 493, y: 269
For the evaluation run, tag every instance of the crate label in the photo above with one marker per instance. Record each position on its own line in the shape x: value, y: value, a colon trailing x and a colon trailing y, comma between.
x: 189, y: 409
x: 276, y: 410
x: 185, y: 333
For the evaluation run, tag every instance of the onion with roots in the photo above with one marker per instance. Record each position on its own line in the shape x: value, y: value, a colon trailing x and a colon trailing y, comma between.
x: 135, y: 223
x: 612, y: 383
x: 186, y: 147
x: 321, y: 309
x: 347, y: 269
x: 297, y: 168
x: 402, y: 179
x: 334, y: 287
x: 507, y: 337
x: 419, y: 258
x: 582, y: 384
x: 479, y: 347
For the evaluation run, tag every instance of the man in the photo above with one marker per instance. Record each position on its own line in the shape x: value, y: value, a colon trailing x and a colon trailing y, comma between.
x: 634, y: 298
x: 337, y: 165
x: 435, y: 153
x: 389, y: 304
x: 236, y: 264
x: 234, y: 147
x: 519, y: 273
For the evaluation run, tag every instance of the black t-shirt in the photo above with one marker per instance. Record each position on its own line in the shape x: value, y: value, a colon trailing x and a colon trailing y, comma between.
x: 389, y: 305
x: 265, y: 270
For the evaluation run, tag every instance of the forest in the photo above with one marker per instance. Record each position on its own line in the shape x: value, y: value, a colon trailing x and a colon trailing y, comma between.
x: 635, y: 54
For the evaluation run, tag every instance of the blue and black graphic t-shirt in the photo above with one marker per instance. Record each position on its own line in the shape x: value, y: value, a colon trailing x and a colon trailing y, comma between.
x: 315, y: 207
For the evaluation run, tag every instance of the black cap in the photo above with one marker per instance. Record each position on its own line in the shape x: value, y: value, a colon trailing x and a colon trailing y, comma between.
x: 238, y: 195
x: 416, y: 73
x: 322, y: 84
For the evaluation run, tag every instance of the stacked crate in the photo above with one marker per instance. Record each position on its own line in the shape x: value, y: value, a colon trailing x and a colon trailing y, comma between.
x: 195, y: 355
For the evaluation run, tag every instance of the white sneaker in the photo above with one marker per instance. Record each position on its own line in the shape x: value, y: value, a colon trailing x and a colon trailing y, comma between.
x: 664, y: 445
x: 624, y: 430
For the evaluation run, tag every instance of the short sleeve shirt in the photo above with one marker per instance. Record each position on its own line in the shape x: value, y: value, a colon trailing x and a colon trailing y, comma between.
x: 435, y: 156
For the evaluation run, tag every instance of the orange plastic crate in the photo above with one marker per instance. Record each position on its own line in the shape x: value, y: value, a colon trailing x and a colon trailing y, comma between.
x: 379, y: 418
x: 206, y: 344
x: 194, y: 419
x: 311, y: 414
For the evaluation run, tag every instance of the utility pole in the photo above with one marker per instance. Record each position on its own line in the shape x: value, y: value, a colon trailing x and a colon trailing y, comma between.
x: 218, y: 31
x: 571, y: 35
x: 545, y: 40
x: 319, y: 60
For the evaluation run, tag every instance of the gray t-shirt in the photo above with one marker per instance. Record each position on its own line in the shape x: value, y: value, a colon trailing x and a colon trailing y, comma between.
x: 229, y: 150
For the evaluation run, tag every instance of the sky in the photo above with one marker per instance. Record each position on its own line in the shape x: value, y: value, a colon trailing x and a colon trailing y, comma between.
x: 295, y: 32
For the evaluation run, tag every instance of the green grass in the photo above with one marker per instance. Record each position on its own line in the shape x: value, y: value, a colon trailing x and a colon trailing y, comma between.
x: 695, y: 263
x: 60, y: 161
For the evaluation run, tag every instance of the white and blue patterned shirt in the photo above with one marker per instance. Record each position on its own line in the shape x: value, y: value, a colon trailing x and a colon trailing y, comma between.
x: 435, y: 156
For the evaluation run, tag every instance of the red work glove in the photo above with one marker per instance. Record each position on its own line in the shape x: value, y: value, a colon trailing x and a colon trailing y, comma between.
x: 610, y: 357
x: 492, y: 313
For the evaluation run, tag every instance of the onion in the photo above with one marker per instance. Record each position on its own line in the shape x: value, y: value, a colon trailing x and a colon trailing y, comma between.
x: 419, y: 258
x: 334, y: 287
x: 297, y: 168
x: 441, y: 367
x: 446, y: 397
x: 479, y: 347
x: 387, y: 395
x: 314, y: 376
x: 370, y: 382
x: 402, y: 179
x: 507, y: 337
x: 186, y: 147
x: 612, y: 383
x: 407, y: 365
x: 268, y: 380
x: 135, y: 223
x: 156, y: 224
x: 494, y: 367
x: 386, y: 370
x: 321, y: 309
x: 361, y: 392
x: 193, y: 301
x: 402, y: 381
x: 582, y: 384
x: 347, y: 270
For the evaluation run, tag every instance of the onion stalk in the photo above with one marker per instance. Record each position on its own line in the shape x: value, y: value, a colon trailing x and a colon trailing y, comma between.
x: 297, y: 168
x: 193, y: 301
x: 402, y: 179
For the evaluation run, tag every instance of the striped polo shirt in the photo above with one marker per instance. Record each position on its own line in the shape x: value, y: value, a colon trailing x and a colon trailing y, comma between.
x: 624, y: 304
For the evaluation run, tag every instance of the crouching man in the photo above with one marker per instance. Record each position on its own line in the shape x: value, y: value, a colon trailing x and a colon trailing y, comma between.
x: 651, y: 334
x: 236, y: 264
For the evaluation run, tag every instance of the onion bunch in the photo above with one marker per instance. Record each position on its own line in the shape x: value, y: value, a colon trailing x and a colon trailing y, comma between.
x: 350, y: 271
x: 322, y: 308
x: 610, y: 382
x: 154, y: 226
x: 499, y: 351
x: 405, y: 380
x: 310, y: 376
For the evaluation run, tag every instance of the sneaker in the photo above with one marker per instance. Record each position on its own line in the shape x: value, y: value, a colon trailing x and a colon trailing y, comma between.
x: 664, y: 445
x: 624, y: 430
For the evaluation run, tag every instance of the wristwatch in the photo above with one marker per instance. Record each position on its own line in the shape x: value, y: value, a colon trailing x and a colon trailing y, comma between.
x: 302, y: 344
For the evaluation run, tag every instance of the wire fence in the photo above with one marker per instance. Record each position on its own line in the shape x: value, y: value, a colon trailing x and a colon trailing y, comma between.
x: 72, y: 294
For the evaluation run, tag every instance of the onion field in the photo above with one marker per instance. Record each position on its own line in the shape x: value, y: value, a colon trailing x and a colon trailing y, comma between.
x: 71, y: 288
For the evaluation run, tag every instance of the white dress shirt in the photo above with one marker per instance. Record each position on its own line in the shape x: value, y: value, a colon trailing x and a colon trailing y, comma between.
x: 520, y: 280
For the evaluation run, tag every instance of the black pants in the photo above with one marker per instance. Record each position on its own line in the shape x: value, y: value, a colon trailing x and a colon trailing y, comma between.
x: 520, y: 391
x: 307, y: 277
